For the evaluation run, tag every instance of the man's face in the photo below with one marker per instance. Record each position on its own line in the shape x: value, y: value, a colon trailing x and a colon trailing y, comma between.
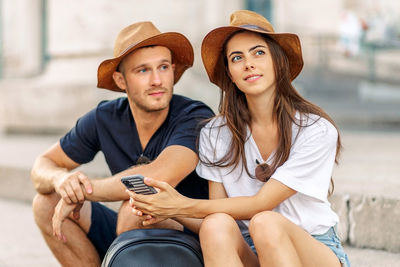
x: 148, y: 78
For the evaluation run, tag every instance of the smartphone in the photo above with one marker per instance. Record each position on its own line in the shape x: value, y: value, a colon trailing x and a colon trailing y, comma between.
x: 136, y: 184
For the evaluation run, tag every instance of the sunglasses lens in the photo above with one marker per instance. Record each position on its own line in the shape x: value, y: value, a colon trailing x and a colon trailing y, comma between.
x: 263, y: 172
x: 142, y: 160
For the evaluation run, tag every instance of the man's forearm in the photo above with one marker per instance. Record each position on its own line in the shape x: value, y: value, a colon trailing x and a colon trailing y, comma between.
x: 107, y: 189
x: 43, y: 174
x: 164, y: 168
x: 111, y: 188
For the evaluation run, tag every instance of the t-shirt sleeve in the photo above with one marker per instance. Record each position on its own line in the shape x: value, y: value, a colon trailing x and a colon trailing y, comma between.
x: 188, y: 127
x: 308, y: 169
x: 81, y: 143
x: 208, y: 152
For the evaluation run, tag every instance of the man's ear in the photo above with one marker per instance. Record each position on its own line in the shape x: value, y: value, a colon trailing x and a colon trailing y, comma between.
x: 119, y: 80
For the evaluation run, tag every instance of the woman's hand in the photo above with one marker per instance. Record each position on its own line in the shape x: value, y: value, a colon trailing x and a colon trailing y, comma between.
x: 167, y: 203
x: 144, y: 219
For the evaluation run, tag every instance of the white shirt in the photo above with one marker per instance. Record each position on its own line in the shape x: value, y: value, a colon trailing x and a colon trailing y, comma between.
x: 308, y: 170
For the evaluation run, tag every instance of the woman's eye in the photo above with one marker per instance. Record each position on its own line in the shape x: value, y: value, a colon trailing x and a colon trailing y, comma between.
x: 260, y: 52
x: 235, y: 58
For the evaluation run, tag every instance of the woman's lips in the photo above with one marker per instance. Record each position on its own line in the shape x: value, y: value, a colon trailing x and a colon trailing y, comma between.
x: 252, y: 77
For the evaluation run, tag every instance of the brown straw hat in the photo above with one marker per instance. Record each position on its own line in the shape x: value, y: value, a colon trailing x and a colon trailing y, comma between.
x: 213, y: 43
x: 139, y: 35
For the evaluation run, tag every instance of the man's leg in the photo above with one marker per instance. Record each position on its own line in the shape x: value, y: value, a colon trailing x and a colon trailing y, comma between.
x: 128, y: 221
x: 78, y: 250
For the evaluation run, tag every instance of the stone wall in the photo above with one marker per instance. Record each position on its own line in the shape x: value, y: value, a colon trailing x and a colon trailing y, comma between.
x: 368, y: 221
x: 80, y: 34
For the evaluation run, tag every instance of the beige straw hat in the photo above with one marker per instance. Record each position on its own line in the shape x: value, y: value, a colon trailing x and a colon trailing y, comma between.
x: 139, y: 35
x: 213, y: 43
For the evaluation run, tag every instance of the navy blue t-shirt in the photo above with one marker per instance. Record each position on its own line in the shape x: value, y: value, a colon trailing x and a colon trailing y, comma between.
x: 111, y: 128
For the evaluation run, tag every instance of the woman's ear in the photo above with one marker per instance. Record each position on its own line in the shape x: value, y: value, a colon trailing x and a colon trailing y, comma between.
x: 119, y: 80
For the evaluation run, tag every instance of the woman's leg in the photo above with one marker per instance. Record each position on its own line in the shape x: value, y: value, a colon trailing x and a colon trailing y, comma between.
x: 279, y: 242
x: 222, y: 243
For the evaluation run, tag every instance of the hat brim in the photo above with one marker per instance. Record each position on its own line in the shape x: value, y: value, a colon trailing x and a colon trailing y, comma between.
x: 212, y: 46
x: 178, y: 44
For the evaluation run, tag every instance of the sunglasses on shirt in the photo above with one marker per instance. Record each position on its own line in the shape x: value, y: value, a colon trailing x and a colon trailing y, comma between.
x: 263, y: 171
x: 142, y: 160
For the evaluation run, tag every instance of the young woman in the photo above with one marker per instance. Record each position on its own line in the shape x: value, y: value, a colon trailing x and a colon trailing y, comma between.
x: 268, y: 157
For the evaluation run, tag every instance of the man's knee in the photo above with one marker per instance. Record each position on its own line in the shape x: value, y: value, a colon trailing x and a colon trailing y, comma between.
x: 43, y: 205
x: 43, y: 208
x: 129, y: 221
x: 126, y: 219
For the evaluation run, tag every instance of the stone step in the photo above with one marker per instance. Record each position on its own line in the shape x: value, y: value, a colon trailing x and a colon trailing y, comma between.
x: 368, y: 205
x: 21, y: 243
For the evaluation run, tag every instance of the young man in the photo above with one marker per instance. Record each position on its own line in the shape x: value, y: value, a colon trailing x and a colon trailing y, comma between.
x: 150, y: 132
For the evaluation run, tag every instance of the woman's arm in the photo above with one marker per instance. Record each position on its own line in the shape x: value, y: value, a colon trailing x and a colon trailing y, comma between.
x: 216, y: 190
x: 169, y: 203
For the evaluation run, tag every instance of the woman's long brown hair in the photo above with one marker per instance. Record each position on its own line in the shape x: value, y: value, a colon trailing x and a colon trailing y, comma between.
x: 233, y: 107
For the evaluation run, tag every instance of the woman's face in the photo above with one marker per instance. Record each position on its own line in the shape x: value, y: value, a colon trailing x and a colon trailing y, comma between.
x: 250, y: 63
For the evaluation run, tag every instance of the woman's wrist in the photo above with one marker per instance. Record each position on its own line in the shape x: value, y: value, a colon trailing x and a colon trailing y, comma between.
x: 194, y: 208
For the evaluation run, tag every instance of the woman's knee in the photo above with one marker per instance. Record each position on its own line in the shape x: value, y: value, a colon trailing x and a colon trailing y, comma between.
x: 266, y: 227
x: 217, y: 226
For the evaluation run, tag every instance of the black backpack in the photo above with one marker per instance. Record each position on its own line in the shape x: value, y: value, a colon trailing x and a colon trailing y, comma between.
x: 154, y: 247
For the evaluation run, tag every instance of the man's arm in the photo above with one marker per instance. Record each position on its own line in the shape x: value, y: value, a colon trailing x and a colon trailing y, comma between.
x: 172, y: 165
x: 51, y: 172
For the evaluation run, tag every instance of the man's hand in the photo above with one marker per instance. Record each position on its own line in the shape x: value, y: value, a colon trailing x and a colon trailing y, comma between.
x: 61, y: 212
x: 69, y: 187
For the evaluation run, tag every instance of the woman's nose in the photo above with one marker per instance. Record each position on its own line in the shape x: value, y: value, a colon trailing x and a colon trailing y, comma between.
x: 249, y: 65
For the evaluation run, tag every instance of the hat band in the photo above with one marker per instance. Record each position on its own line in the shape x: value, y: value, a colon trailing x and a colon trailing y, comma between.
x: 254, y: 27
x: 126, y: 49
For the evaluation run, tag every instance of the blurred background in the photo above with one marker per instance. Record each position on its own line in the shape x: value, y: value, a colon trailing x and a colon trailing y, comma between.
x: 50, y: 51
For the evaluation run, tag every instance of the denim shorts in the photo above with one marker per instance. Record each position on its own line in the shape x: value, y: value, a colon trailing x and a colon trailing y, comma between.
x: 249, y: 241
x: 331, y: 240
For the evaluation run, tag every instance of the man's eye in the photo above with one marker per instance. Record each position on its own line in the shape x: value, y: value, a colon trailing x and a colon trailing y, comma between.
x: 164, y: 67
x: 142, y: 70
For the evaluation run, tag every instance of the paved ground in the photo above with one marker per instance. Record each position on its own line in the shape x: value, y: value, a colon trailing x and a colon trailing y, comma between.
x: 21, y: 243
